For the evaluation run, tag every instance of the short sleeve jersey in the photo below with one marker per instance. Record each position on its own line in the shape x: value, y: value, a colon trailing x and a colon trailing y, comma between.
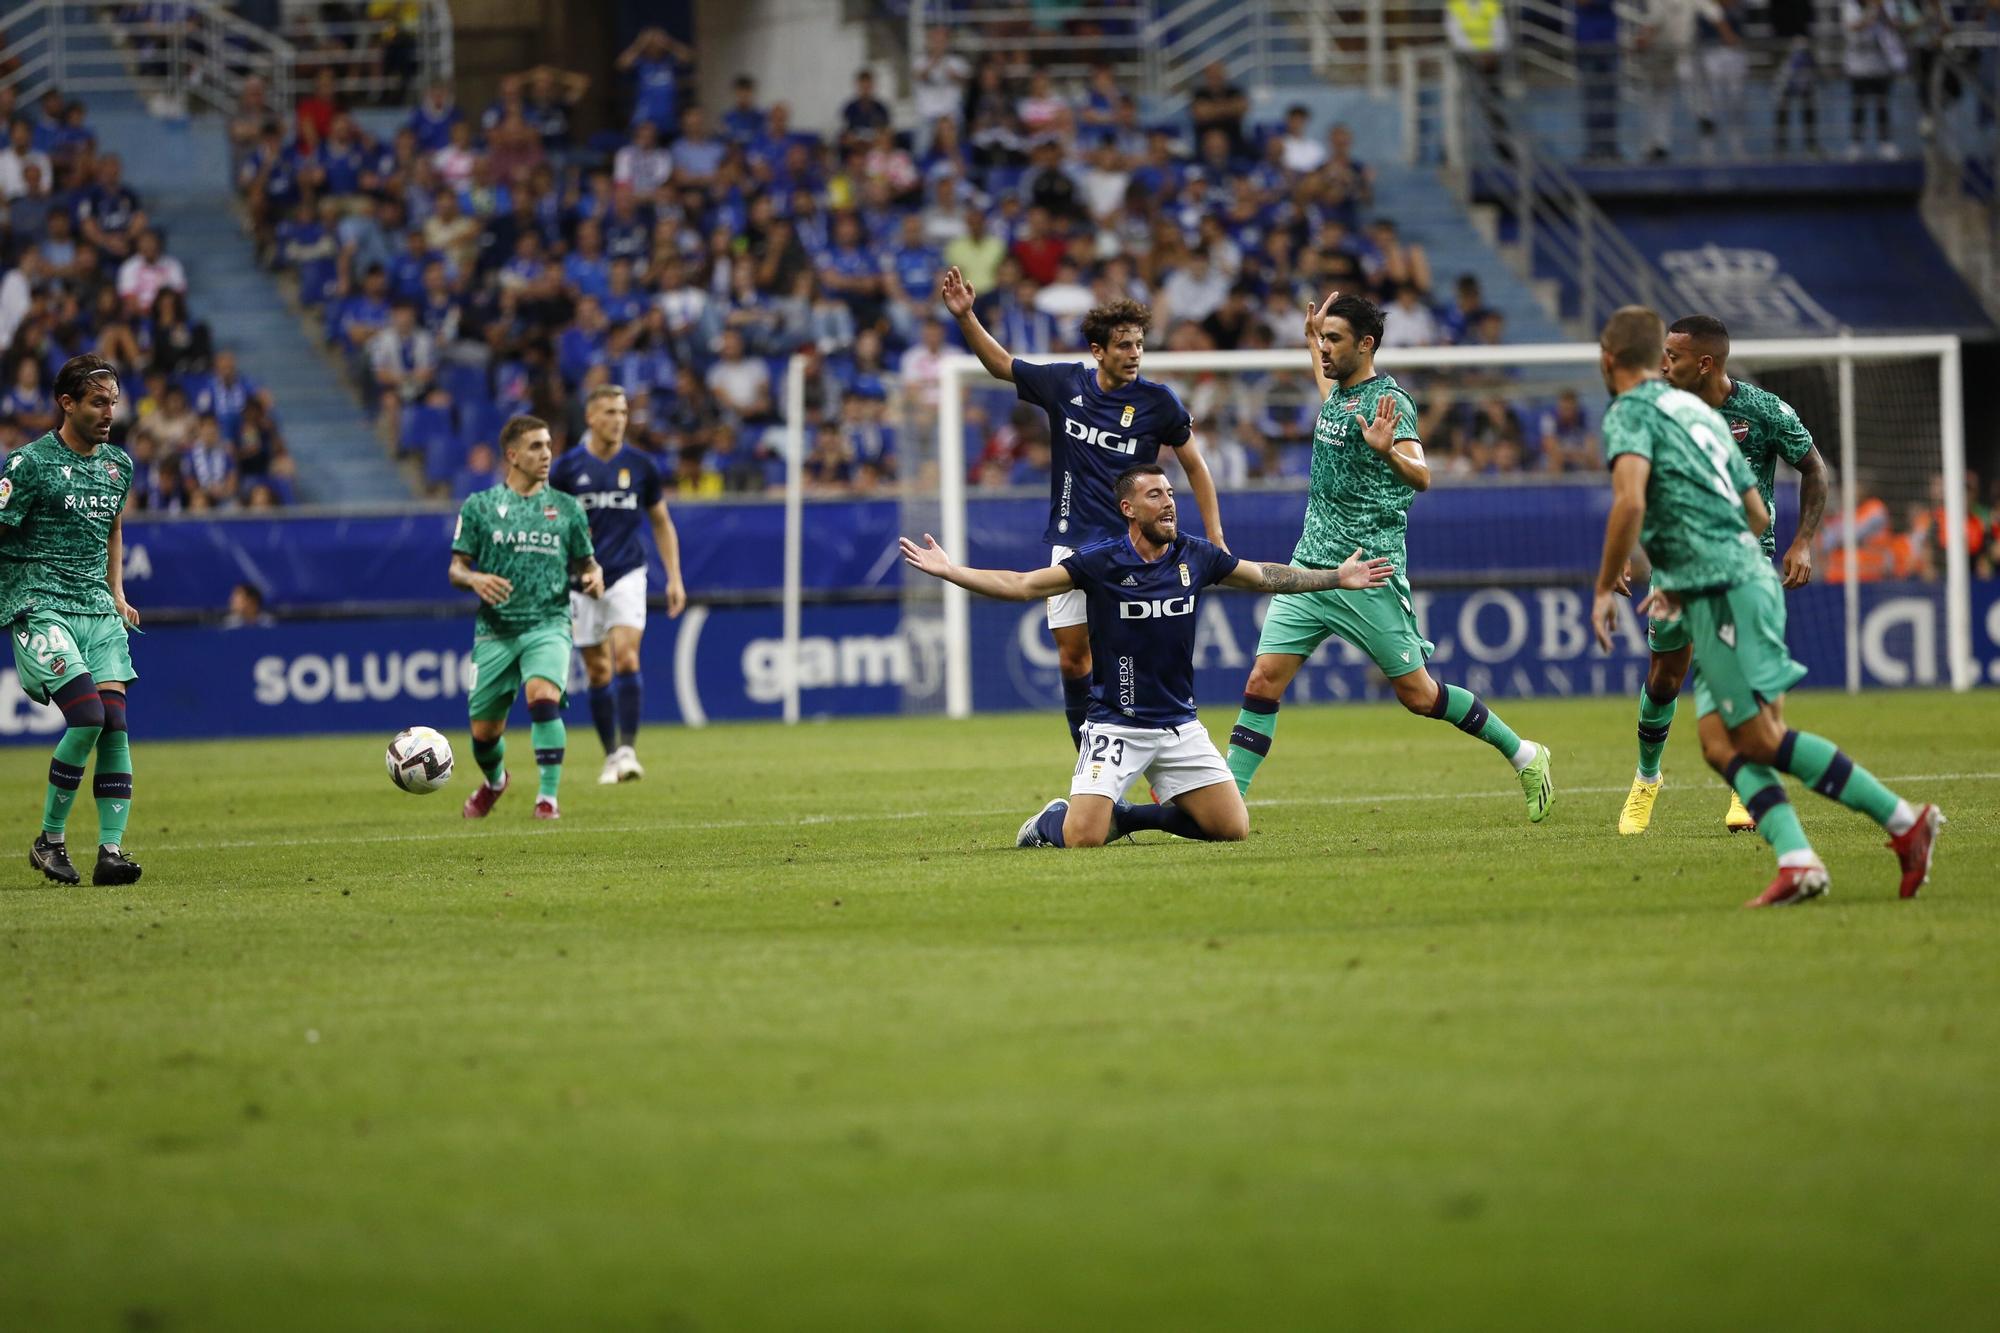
x: 57, y: 508
x: 1355, y: 498
x: 1766, y: 429
x: 1094, y: 436
x: 1695, y: 533
x: 1142, y: 626
x: 615, y: 492
x: 529, y: 540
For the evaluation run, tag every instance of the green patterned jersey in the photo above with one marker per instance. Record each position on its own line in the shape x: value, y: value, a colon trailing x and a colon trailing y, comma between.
x: 57, y: 508
x: 1696, y: 533
x: 529, y: 540
x: 1356, y: 499
x: 1766, y: 429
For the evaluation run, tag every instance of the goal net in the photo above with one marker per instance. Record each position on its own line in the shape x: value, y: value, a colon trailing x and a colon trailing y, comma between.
x: 1503, y: 548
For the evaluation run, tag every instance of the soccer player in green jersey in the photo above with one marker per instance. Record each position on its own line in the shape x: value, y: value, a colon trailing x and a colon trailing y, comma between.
x: 62, y: 594
x: 1688, y: 497
x: 1765, y: 428
x: 1367, y: 466
x: 516, y: 546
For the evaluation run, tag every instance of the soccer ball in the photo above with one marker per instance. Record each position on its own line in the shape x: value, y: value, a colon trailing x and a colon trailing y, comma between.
x: 419, y: 760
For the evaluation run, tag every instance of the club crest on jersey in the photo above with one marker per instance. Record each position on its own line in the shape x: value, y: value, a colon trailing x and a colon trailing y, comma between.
x: 111, y: 471
x: 624, y: 477
x: 6, y: 489
x: 1740, y: 429
x: 1125, y: 417
x: 57, y: 667
x: 549, y: 513
x: 1185, y: 580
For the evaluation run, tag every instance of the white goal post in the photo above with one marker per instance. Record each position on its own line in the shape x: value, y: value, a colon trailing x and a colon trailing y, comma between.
x: 1843, y: 353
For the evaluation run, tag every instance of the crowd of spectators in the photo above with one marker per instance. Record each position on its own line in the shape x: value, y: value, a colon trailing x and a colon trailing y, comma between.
x: 480, y: 262
x: 82, y: 269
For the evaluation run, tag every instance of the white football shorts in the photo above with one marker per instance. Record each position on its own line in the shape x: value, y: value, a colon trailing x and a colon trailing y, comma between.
x: 1067, y: 608
x: 623, y: 603
x: 1174, y: 759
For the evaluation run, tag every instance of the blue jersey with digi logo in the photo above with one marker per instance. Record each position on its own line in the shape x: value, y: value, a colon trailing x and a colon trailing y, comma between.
x: 1094, y: 436
x: 1142, y: 624
x: 615, y: 492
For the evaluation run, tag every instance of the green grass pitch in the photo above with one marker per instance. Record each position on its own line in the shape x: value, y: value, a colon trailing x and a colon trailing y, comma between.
x: 788, y: 1036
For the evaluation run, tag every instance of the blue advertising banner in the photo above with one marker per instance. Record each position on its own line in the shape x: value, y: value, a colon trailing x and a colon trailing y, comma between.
x: 728, y: 663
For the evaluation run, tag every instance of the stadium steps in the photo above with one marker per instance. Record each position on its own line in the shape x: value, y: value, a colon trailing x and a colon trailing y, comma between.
x: 1425, y: 211
x: 181, y: 169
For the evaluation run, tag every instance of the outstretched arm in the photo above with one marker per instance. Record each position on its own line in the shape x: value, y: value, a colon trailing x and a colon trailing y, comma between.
x: 1357, y: 571
x: 1798, y: 568
x: 957, y: 295
x: 1005, y: 584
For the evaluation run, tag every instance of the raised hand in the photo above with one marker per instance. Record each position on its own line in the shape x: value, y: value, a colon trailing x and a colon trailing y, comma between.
x: 930, y: 557
x: 1380, y: 432
x: 1315, y: 319
x: 956, y: 293
x: 1358, y: 571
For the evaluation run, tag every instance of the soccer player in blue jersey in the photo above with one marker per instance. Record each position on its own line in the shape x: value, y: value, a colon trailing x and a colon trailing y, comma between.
x: 621, y: 491
x: 1102, y: 420
x: 1140, y: 590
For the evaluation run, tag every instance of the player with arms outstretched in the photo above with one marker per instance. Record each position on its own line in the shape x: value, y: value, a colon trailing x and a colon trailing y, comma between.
x: 620, y: 489
x: 1766, y: 429
x: 1367, y: 466
x: 62, y: 594
x: 1686, y: 495
x: 1140, y: 591
x: 1102, y: 420
x: 516, y: 546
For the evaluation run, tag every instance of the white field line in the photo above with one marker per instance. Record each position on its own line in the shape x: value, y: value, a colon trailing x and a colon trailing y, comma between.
x: 807, y: 821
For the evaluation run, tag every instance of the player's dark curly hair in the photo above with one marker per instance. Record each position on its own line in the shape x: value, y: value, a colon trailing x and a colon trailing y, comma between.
x: 1128, y: 480
x: 78, y: 372
x: 1099, y: 321
x: 1362, y: 315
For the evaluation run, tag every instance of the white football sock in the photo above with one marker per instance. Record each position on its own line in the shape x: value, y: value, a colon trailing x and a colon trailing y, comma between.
x: 1902, y: 820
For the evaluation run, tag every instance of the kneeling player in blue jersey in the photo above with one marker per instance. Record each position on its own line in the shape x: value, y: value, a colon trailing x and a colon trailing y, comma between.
x: 1140, y: 591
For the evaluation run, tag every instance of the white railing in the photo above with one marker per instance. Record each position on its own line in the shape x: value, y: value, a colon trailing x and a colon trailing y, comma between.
x: 1962, y: 173
x: 90, y: 47
x: 372, y: 58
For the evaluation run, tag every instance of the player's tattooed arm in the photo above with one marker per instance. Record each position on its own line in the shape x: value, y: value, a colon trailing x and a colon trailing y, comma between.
x: 1357, y: 571
x: 491, y: 588
x: 1798, y: 568
x: 591, y: 575
x: 1005, y: 584
x: 958, y: 296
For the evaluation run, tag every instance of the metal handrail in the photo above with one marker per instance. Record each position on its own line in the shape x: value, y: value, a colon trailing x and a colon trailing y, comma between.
x: 203, y: 58
x: 1967, y: 225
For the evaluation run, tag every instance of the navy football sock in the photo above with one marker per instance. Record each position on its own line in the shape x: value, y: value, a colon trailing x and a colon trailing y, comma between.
x: 604, y: 716
x: 1166, y: 818
x: 1051, y: 823
x: 630, y: 692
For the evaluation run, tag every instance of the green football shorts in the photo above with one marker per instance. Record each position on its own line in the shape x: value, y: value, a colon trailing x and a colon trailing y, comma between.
x: 1668, y: 636
x: 501, y: 665
x: 52, y: 648
x: 1381, y: 622
x: 1740, y: 657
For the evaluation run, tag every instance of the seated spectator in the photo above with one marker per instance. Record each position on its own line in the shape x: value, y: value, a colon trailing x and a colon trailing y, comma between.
x: 450, y: 232
x: 1567, y: 442
x: 1409, y: 321
x: 1494, y: 440
x: 1193, y: 291
x: 308, y: 246
x: 317, y: 109
x: 740, y: 383
x: 453, y: 162
x: 173, y: 422
x: 514, y: 148
x: 1468, y: 304
x: 850, y: 270
x: 175, y: 344
x: 745, y: 122
x: 246, y: 609
x: 357, y: 318
x: 148, y: 273
x: 108, y: 212
x: 19, y: 154
x: 643, y: 166
x: 1302, y: 154
x: 224, y: 393
x: 434, y: 116
x: 1395, y: 262
x: 1219, y: 104
x: 697, y: 154
x: 36, y: 208
x: 27, y: 403
x: 252, y: 118
x: 209, y: 464
x: 403, y: 358
x: 864, y: 113
x: 480, y: 473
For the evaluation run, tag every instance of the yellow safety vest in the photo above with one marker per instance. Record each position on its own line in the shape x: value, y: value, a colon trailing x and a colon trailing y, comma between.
x: 1476, y: 20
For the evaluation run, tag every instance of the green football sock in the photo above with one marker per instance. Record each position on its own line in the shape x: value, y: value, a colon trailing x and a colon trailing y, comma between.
x: 549, y: 738
x: 1250, y: 738
x: 65, y: 776
x: 1822, y: 765
x: 112, y: 786
x: 1654, y: 719
x: 1464, y: 710
x: 491, y: 756
x: 1763, y: 793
